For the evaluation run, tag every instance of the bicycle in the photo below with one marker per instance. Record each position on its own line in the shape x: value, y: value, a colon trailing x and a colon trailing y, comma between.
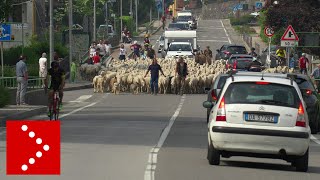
x: 54, y: 109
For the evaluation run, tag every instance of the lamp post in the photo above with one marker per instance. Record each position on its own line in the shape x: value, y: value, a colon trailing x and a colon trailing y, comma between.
x: 94, y: 20
x: 70, y: 38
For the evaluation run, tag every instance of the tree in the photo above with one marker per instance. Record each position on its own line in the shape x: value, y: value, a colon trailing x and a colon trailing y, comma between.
x: 5, y: 9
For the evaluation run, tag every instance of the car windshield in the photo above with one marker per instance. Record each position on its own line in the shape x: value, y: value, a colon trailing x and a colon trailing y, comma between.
x: 237, y: 50
x: 243, y: 63
x: 180, y: 47
x: 178, y: 25
x: 184, y: 18
x: 262, y: 93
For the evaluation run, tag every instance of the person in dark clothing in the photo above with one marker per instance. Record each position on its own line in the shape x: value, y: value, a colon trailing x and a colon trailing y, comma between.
x: 154, y: 68
x: 253, y: 53
x: 151, y: 53
x: 182, y: 71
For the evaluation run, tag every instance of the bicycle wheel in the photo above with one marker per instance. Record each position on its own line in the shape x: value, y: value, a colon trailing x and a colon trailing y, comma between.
x: 56, y: 117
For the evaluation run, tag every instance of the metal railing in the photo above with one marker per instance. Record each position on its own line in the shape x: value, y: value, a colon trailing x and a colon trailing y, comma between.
x: 11, y: 82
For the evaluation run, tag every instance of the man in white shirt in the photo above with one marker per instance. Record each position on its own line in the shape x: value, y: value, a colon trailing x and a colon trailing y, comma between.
x: 43, y: 67
x: 108, y: 48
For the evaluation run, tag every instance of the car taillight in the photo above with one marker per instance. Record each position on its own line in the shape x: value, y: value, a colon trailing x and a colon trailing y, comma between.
x: 213, y: 95
x: 301, y: 122
x: 235, y: 64
x: 221, y: 112
x: 262, y: 83
x: 226, y: 52
x: 308, y: 92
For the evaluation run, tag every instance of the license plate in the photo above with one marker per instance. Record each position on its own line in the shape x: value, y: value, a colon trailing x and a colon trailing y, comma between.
x: 261, y: 118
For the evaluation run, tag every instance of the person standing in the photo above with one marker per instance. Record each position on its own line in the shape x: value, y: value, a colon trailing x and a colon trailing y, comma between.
x: 123, y: 52
x: 151, y: 53
x: 108, y: 48
x: 316, y: 75
x: 22, y: 80
x: 182, y: 71
x: 253, y: 53
x: 303, y: 63
x: 154, y: 68
x: 96, y: 58
x: 43, y: 67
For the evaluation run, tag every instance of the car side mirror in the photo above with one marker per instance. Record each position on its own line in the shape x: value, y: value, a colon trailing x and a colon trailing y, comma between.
x: 206, y: 90
x: 207, y: 104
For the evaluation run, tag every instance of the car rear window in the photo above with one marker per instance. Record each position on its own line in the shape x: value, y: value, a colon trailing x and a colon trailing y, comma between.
x: 237, y: 50
x: 261, y: 93
x: 243, y: 63
x: 222, y: 81
x: 304, y: 84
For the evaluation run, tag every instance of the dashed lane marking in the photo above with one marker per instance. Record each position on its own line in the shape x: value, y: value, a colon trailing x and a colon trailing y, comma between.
x: 153, y: 155
x: 82, y: 98
x: 211, y: 40
x: 225, y: 32
x: 314, y: 139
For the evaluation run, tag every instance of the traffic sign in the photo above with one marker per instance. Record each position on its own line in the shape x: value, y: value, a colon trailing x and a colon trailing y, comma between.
x: 268, y: 31
x: 5, y: 32
x: 286, y: 43
x: 258, y: 5
x: 290, y: 35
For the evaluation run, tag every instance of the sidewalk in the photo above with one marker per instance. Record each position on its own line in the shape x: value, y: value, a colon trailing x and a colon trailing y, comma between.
x: 37, y: 101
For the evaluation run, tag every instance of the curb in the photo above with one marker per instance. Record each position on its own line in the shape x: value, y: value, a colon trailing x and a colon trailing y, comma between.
x: 23, y: 115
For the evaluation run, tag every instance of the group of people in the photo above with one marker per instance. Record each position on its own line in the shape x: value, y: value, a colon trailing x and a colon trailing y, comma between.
x: 97, y: 51
x: 146, y: 51
x: 181, y: 72
x: 126, y: 36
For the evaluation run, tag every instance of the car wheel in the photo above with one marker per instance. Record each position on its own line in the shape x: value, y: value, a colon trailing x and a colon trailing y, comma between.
x: 213, y: 155
x: 302, y: 162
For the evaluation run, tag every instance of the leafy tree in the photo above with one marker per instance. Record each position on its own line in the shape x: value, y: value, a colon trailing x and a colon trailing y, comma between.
x: 5, y: 9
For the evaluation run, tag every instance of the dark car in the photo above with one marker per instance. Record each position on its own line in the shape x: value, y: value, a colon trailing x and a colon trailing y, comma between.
x: 239, y: 62
x: 214, y: 91
x: 227, y: 50
x: 307, y: 89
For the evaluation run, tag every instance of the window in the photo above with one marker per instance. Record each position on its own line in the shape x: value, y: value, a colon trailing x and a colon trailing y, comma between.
x: 222, y: 81
x: 180, y: 47
x: 304, y: 84
x: 267, y: 94
x: 237, y: 49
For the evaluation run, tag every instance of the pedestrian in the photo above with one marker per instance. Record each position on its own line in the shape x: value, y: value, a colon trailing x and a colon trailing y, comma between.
x: 73, y: 72
x: 43, y: 67
x: 208, y: 52
x: 154, y: 68
x: 107, y: 48
x: 316, y: 75
x: 56, y: 57
x: 303, y: 64
x: 151, y: 53
x: 102, y: 49
x: 92, y: 49
x: 96, y: 58
x: 22, y: 80
x: 253, y: 53
x: 123, y: 52
x: 182, y: 72
x: 292, y: 61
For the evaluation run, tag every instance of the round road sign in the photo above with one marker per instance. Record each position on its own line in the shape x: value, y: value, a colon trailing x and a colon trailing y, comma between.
x: 268, y: 31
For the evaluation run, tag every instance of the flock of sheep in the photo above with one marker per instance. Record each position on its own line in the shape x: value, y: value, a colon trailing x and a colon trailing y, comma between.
x: 128, y: 76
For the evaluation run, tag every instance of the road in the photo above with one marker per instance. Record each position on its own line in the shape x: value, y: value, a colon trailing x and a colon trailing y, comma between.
x: 137, y: 137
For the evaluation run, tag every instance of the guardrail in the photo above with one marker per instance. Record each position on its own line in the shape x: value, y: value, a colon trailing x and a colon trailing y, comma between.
x: 11, y: 82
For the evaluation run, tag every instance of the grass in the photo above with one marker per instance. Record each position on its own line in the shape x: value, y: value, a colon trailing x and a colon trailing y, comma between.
x: 244, y: 29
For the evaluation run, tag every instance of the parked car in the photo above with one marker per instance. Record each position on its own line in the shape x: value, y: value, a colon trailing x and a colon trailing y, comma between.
x: 259, y: 116
x: 240, y: 62
x: 227, y: 50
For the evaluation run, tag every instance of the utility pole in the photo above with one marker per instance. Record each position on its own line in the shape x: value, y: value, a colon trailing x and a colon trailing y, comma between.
x: 121, y: 20
x: 150, y: 14
x: 238, y: 10
x: 94, y: 20
x: 136, y: 2
x: 131, y: 13
x: 70, y: 37
x: 51, y: 30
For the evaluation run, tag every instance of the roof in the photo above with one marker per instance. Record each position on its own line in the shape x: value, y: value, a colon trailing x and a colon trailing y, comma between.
x: 256, y: 78
x: 242, y: 55
x: 180, y: 43
x: 182, y: 33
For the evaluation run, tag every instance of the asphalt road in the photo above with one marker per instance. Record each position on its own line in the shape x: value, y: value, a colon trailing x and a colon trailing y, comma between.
x: 137, y: 137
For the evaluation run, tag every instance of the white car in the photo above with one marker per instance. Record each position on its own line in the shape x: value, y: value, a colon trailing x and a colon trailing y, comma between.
x: 259, y: 116
x: 177, y: 49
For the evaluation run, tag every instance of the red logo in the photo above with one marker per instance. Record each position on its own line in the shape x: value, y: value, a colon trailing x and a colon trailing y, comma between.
x: 33, y: 147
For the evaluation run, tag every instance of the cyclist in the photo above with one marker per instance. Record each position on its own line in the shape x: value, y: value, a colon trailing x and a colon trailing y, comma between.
x: 57, y: 83
x: 281, y: 53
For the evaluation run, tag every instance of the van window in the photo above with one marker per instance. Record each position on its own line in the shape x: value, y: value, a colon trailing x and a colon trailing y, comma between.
x: 260, y: 93
x: 180, y: 47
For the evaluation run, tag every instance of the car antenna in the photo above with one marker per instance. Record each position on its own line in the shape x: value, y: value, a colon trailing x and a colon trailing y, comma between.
x: 262, y: 77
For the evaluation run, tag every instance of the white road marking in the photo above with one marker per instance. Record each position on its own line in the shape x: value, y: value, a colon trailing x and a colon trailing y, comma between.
x: 225, y: 32
x: 152, y: 161
x: 211, y: 40
x: 82, y: 98
x: 72, y: 112
x: 315, y: 139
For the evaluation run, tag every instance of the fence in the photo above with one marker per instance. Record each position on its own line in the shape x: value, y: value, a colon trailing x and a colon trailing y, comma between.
x: 11, y: 82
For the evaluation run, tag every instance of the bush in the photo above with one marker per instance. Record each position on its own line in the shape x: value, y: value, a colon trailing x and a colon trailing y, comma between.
x: 4, y: 96
x: 243, y: 20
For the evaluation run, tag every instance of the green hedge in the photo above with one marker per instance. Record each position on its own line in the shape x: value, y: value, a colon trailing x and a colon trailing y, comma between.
x: 4, y: 96
x: 243, y: 20
x: 33, y: 52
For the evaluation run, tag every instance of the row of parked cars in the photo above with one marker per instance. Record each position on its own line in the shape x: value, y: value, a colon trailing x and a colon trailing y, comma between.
x: 262, y: 115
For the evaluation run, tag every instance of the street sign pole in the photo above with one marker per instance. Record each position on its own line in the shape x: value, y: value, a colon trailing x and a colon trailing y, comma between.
x: 269, y: 49
x: 2, y: 73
